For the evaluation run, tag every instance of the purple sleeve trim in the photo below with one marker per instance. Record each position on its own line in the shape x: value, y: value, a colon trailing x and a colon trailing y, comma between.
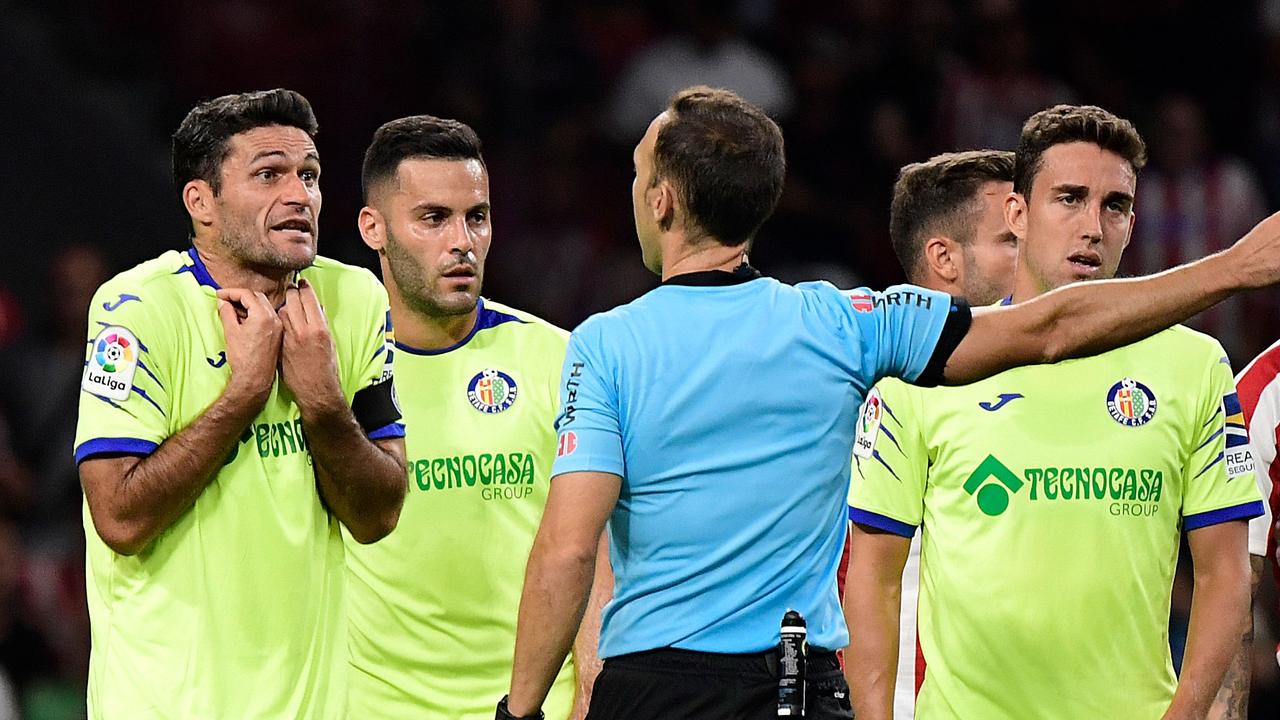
x: 114, y: 446
x: 880, y: 522
x: 394, y: 430
x: 1227, y: 514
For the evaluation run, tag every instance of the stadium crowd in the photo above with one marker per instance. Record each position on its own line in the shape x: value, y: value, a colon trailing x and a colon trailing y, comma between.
x: 561, y: 91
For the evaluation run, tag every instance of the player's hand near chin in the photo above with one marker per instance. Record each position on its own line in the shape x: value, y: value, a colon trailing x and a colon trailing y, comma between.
x: 308, y: 361
x: 253, y: 331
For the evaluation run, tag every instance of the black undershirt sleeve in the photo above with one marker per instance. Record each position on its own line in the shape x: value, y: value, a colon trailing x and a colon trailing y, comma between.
x: 956, y: 327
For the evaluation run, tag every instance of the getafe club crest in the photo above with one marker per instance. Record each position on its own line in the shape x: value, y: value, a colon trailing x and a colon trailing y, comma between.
x: 1131, y: 403
x: 491, y: 391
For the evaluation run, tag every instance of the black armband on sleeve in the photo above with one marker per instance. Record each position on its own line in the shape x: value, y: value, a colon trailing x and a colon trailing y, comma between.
x: 375, y: 406
x: 956, y: 327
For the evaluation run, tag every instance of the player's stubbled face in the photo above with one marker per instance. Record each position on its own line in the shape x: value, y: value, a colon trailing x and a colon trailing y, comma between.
x: 269, y: 200
x: 992, y: 251
x: 438, y: 233
x: 1079, y: 215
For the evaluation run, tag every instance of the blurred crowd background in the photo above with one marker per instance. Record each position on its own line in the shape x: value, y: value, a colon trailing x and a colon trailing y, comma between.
x: 560, y: 91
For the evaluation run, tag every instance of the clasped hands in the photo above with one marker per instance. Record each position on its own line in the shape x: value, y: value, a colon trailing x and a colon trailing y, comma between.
x: 294, y: 339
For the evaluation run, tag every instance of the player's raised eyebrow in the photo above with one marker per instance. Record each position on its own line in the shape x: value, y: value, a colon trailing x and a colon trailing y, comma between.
x: 312, y: 155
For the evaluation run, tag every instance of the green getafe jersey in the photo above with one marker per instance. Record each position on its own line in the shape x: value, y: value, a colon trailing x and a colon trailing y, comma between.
x: 433, y: 606
x: 1051, y: 500
x: 235, y: 610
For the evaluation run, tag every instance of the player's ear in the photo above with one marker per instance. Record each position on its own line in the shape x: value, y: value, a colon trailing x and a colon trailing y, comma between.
x: 1133, y: 218
x: 199, y: 198
x: 662, y: 203
x: 941, y: 256
x: 1015, y: 214
x: 372, y: 228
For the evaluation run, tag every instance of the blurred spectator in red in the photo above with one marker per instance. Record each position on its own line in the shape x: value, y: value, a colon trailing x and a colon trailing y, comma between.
x: 25, y: 659
x: 51, y: 363
x: 570, y: 246
x: 708, y: 50
x: 985, y: 103
x: 1266, y: 119
x: 52, y: 616
x: 10, y: 318
x: 1193, y: 201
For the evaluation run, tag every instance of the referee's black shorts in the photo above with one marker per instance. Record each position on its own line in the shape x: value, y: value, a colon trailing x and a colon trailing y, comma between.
x: 673, y: 684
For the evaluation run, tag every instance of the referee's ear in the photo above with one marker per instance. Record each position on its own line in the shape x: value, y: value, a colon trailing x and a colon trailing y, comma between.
x: 372, y: 228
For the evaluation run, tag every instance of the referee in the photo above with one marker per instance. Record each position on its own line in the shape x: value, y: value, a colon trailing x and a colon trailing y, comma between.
x: 711, y: 422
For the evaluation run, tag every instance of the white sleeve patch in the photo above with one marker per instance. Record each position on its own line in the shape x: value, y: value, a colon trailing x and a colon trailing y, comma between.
x: 869, y: 417
x: 113, y: 358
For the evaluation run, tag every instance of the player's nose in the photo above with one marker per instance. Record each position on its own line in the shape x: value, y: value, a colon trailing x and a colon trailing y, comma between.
x: 460, y: 237
x: 293, y: 191
x: 1091, y: 225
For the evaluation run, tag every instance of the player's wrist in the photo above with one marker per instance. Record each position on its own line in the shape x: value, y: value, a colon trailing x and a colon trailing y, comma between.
x: 323, y: 407
x: 244, y: 398
x: 504, y: 713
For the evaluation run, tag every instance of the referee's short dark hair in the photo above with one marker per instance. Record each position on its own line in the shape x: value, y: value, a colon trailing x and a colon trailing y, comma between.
x: 202, y: 141
x: 1073, y: 123
x: 940, y: 197
x: 724, y: 157
x: 417, y: 136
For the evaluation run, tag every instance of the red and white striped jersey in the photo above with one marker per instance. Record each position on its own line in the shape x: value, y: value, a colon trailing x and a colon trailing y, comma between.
x: 1258, y: 387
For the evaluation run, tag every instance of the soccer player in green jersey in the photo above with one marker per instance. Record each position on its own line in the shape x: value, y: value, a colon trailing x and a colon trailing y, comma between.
x: 946, y: 224
x: 236, y: 411
x: 433, y: 607
x: 1051, y: 499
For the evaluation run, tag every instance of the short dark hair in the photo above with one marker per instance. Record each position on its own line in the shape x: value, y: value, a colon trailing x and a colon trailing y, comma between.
x: 416, y: 136
x: 202, y: 141
x: 1062, y: 124
x: 725, y: 158
x: 940, y: 195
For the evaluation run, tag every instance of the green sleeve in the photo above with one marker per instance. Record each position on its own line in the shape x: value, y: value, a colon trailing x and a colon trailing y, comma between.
x: 1215, y: 487
x: 125, y: 405
x: 890, y: 460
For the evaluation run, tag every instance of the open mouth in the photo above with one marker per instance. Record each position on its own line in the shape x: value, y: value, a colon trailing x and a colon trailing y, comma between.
x: 1085, y: 262
x: 294, y: 225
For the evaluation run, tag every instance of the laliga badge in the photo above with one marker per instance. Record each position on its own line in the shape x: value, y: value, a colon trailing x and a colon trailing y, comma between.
x: 864, y: 442
x: 113, y: 358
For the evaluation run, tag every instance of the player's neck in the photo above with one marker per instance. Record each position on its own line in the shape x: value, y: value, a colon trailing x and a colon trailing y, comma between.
x: 1026, y: 285
x: 229, y: 272
x: 429, y: 332
x: 681, y: 257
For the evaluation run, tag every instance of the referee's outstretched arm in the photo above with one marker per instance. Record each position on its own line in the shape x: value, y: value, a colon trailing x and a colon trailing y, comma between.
x: 1080, y: 320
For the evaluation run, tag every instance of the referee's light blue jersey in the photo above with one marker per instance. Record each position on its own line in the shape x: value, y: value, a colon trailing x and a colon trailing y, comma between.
x: 726, y: 402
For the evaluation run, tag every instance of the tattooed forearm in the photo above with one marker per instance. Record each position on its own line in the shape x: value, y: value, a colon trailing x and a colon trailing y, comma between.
x: 1232, y: 702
